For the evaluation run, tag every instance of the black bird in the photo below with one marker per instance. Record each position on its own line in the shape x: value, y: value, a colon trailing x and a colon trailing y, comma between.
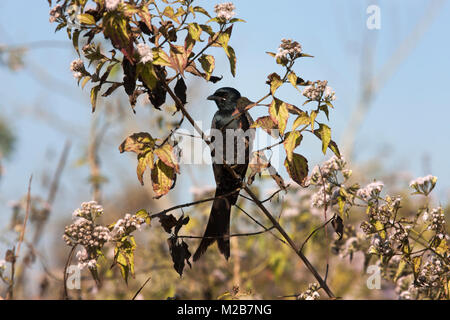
x: 218, y: 227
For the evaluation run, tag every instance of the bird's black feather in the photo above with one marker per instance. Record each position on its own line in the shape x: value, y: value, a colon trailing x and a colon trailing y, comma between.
x: 227, y: 186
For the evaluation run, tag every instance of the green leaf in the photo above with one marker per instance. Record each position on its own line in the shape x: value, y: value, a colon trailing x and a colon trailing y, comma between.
x: 292, y: 141
x: 115, y: 27
x: 324, y: 108
x: 201, y: 10
x: 232, y: 58
x: 147, y: 74
x: 297, y: 168
x: 236, y: 20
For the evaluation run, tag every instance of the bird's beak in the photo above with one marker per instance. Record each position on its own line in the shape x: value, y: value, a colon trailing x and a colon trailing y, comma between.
x: 215, y: 98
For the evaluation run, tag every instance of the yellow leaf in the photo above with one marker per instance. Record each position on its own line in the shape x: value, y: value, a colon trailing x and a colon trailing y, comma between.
x: 160, y: 57
x: 162, y: 178
x: 195, y: 31
x: 137, y: 143
x: 166, y: 155
x: 275, y: 82
x: 301, y: 120
x: 325, y: 135
x: 417, y: 262
x: 208, y: 64
x: 279, y: 114
x: 86, y: 18
x: 144, y: 161
x: 292, y: 141
x: 442, y: 249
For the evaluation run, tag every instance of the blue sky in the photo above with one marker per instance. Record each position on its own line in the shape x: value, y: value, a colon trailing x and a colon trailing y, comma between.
x: 409, y: 115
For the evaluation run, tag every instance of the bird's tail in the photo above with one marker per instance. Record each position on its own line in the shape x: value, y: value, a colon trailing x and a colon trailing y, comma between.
x: 218, y: 227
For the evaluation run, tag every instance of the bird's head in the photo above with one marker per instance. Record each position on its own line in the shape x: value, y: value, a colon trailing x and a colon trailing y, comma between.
x: 226, y: 98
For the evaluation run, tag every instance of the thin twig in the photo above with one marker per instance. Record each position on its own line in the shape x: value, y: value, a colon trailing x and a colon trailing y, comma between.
x: 69, y: 259
x: 259, y: 223
x: 314, y: 231
x: 189, y: 204
x: 229, y: 236
x: 140, y: 289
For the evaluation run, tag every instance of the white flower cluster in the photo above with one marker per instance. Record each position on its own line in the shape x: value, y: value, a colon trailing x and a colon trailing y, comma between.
x: 319, y: 90
x: 225, y: 11
x: 55, y: 13
x: 84, y: 260
x: 424, y: 184
x: 352, y: 245
x: 326, y: 192
x: 2, y: 264
x: 311, y: 293
x: 288, y: 48
x: 371, y: 191
x: 436, y: 218
x: 400, y: 235
x: 381, y: 246
x: 328, y: 169
x: 83, y: 231
x: 86, y: 233
x: 89, y: 210
x: 326, y: 177
x: 127, y: 225
x: 145, y: 52
x: 77, y: 68
x: 112, y: 5
x: 431, y: 273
